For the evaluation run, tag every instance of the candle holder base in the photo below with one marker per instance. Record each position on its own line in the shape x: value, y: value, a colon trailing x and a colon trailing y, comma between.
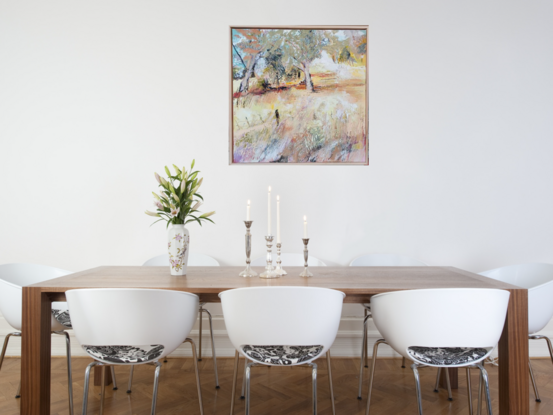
x: 280, y: 271
x: 305, y: 273
x: 248, y: 272
x: 269, y: 274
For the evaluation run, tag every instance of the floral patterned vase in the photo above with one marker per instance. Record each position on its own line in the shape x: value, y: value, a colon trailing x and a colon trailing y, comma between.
x: 178, y: 245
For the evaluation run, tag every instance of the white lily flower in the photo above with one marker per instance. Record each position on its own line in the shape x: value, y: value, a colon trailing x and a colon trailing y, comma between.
x: 174, y: 211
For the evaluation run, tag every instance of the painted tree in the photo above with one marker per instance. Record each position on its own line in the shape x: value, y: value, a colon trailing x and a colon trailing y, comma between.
x: 302, y: 47
x: 254, y: 44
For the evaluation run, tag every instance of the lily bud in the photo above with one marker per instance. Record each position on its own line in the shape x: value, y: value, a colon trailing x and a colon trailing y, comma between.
x: 182, y: 186
x: 156, y: 196
x: 167, y: 171
x: 197, y: 205
x: 155, y: 215
x: 158, y: 178
x: 207, y: 215
x: 193, y: 162
x: 200, y: 182
x: 176, y: 197
x: 176, y: 169
x: 163, y: 182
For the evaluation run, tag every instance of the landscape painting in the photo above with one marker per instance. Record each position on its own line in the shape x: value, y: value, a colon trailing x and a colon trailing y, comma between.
x: 299, y: 95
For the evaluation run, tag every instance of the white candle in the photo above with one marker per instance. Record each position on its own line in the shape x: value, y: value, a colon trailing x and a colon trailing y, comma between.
x: 269, y: 213
x: 305, y: 227
x: 278, y: 219
x: 248, y: 211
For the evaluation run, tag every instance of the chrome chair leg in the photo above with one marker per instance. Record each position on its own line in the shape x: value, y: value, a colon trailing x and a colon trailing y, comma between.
x: 480, y: 384
x: 247, y: 373
x: 484, y: 374
x: 448, y: 383
x: 69, y: 376
x: 533, y: 381
x: 103, y: 390
x: 156, y: 384
x: 129, y: 390
x: 198, y: 384
x: 469, y: 390
x: 200, y: 314
x: 234, y: 378
x: 363, y: 356
x: 437, y: 386
x: 314, y: 381
x: 414, y: 366
x: 4, y: 348
x: 366, y: 339
x: 243, y: 394
x: 113, y: 378
x: 449, y: 396
x: 213, y: 348
x: 371, y: 378
x: 330, y: 382
x: 86, y: 386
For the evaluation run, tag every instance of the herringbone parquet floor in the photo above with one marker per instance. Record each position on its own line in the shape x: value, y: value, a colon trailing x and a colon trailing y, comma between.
x: 275, y: 391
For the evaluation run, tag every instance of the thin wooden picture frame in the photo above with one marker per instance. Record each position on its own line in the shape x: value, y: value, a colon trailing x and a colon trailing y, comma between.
x: 231, y: 94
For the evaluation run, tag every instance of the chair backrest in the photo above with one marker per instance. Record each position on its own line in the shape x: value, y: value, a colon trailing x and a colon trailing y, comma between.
x: 538, y: 279
x: 449, y: 317
x: 283, y: 316
x: 385, y: 260
x: 289, y: 260
x: 13, y: 277
x: 195, y: 259
x: 132, y: 317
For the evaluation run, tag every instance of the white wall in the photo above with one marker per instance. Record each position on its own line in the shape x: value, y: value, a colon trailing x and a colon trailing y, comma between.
x: 96, y: 96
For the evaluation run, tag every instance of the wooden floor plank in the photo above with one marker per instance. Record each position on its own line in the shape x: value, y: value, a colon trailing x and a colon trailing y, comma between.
x: 275, y: 391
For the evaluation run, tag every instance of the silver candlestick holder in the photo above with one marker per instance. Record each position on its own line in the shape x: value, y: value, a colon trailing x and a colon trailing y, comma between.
x: 269, y: 269
x: 305, y: 273
x: 248, y: 272
x: 278, y: 268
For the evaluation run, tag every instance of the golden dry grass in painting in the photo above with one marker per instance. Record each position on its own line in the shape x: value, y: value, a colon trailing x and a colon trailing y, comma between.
x: 283, y: 120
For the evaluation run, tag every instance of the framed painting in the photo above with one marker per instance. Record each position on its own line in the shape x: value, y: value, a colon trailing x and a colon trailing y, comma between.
x: 299, y: 95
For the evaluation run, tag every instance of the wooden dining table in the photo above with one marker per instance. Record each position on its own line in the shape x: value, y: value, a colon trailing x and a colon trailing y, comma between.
x: 358, y: 283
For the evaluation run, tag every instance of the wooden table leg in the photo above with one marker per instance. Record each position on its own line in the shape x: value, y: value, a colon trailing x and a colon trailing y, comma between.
x: 35, y: 352
x: 514, y: 389
x: 98, y: 376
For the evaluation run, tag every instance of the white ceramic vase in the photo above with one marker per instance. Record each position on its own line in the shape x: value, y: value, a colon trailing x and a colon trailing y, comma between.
x: 178, y: 245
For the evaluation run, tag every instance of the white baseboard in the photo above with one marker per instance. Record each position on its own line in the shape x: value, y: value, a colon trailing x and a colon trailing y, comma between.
x: 347, y: 344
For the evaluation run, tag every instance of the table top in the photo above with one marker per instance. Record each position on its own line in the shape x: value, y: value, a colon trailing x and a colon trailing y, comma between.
x: 358, y: 283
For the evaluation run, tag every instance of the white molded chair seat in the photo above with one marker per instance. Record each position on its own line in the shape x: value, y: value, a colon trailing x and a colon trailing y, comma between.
x: 13, y: 277
x: 385, y: 260
x: 134, y: 326
x: 538, y: 279
x: 461, y: 340
x: 290, y: 326
x: 195, y: 259
x: 289, y: 260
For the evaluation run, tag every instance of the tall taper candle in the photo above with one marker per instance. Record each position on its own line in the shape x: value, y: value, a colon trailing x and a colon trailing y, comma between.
x: 269, y: 213
x: 248, y: 211
x: 278, y: 219
x: 305, y: 227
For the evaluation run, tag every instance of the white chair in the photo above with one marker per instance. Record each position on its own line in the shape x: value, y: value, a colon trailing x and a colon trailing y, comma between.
x: 135, y: 327
x: 290, y: 260
x: 195, y: 259
x: 277, y: 326
x: 379, y: 260
x: 408, y: 321
x: 538, y: 279
x: 12, y: 279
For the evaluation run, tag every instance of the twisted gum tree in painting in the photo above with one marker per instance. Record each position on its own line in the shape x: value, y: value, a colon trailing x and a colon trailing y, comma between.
x: 299, y: 96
